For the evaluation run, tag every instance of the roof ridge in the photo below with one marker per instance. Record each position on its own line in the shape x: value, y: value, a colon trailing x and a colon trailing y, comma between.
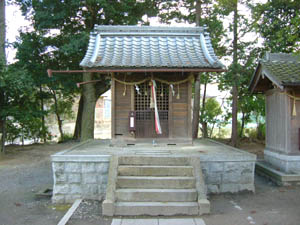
x: 147, y: 29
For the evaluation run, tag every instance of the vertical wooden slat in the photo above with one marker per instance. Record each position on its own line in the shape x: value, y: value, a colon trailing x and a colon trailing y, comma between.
x: 189, y: 105
x: 113, y: 106
x: 132, y: 97
x: 170, y: 116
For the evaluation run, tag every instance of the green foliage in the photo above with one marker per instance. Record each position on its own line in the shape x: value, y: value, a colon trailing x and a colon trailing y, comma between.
x: 20, y: 106
x: 258, y: 133
x: 278, y: 22
x: 261, y: 131
x: 60, y: 38
x: 67, y: 137
x: 211, y: 114
x: 185, y: 11
x: 212, y: 111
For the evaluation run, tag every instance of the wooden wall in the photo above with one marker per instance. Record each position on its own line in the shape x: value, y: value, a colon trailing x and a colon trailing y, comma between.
x: 278, y: 122
x: 294, y: 125
x: 179, y: 111
x: 122, y: 107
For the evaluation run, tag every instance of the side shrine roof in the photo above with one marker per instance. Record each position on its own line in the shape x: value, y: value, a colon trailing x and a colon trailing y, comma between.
x: 144, y: 47
x: 280, y: 69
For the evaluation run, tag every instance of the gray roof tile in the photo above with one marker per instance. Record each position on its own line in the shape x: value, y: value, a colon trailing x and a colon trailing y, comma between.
x: 285, y: 68
x: 150, y: 47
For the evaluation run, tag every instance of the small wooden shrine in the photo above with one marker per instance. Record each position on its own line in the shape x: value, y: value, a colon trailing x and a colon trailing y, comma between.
x: 278, y: 77
x: 152, y: 70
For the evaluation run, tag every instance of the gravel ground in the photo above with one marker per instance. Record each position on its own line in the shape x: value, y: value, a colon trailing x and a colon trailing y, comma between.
x: 25, y: 171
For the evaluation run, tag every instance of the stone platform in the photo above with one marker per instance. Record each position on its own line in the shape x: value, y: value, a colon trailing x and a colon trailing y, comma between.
x: 82, y: 171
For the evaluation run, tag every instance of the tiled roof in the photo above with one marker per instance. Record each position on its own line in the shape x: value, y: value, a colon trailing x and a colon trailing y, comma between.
x: 280, y: 69
x: 150, y: 47
x: 284, y: 68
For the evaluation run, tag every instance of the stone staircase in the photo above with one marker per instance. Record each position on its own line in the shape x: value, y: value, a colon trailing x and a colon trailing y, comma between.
x: 155, y: 185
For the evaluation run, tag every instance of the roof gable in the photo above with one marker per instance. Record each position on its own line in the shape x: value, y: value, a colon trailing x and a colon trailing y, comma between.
x: 280, y: 69
x: 150, y: 47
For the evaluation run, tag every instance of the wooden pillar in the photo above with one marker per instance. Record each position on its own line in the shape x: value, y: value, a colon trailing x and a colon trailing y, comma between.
x: 189, y: 105
x: 113, y: 102
x: 170, y: 114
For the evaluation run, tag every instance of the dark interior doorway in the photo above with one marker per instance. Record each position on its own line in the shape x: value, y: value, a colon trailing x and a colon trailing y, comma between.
x: 145, y: 124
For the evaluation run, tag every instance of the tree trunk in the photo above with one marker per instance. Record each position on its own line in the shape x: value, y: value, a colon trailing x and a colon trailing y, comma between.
x: 203, y: 123
x: 2, y: 62
x: 43, y: 117
x: 242, y: 125
x: 88, y: 113
x: 2, y: 32
x: 196, y: 108
x: 59, y: 121
x: 76, y: 135
x: 234, y: 136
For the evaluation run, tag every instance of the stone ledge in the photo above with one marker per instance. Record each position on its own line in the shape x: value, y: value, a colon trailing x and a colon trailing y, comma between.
x: 281, y: 178
x: 80, y: 158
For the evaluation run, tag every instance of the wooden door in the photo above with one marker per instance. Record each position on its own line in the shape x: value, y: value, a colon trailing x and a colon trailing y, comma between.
x: 145, y: 126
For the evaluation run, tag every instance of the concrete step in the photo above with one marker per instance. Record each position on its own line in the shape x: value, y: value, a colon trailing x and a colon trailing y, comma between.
x: 154, y: 195
x: 156, y: 208
x: 155, y: 182
x: 153, y: 160
x: 147, y: 170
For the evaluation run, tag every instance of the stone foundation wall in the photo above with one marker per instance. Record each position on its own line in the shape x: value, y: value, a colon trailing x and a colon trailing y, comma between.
x: 79, y: 179
x: 86, y: 177
x: 226, y: 176
x: 285, y: 163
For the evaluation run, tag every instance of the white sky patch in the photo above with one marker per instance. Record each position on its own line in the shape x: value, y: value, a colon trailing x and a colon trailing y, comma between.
x: 14, y: 23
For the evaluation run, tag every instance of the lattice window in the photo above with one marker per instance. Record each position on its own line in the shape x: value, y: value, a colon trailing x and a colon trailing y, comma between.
x: 142, y: 100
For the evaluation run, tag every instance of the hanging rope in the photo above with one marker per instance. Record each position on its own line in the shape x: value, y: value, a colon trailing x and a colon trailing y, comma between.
x: 294, y: 113
x: 154, y: 105
x: 189, y: 78
x: 125, y: 86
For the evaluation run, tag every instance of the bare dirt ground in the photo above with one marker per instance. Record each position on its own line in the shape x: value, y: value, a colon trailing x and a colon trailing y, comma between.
x: 26, y: 170
x: 23, y: 172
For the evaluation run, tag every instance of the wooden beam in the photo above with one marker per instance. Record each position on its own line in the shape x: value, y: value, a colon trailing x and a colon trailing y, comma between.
x: 108, y: 71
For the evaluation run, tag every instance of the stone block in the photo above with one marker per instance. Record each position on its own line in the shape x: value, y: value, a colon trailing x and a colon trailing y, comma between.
x: 72, y: 198
x: 89, y: 178
x: 247, y: 178
x: 102, y: 179
x: 108, y: 208
x: 74, y: 178
x: 204, y: 206
x: 90, y: 190
x: 232, y: 188
x: 58, y: 199
x: 211, y: 188
x: 61, y: 189
x: 231, y: 177
x: 214, y: 178
x: 73, y: 167
x: 232, y: 166
x: 216, y: 167
x: 60, y: 177
x: 247, y: 187
x: 58, y: 166
x: 102, y: 168
x: 102, y: 188
x: 75, y: 189
x: 88, y: 167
